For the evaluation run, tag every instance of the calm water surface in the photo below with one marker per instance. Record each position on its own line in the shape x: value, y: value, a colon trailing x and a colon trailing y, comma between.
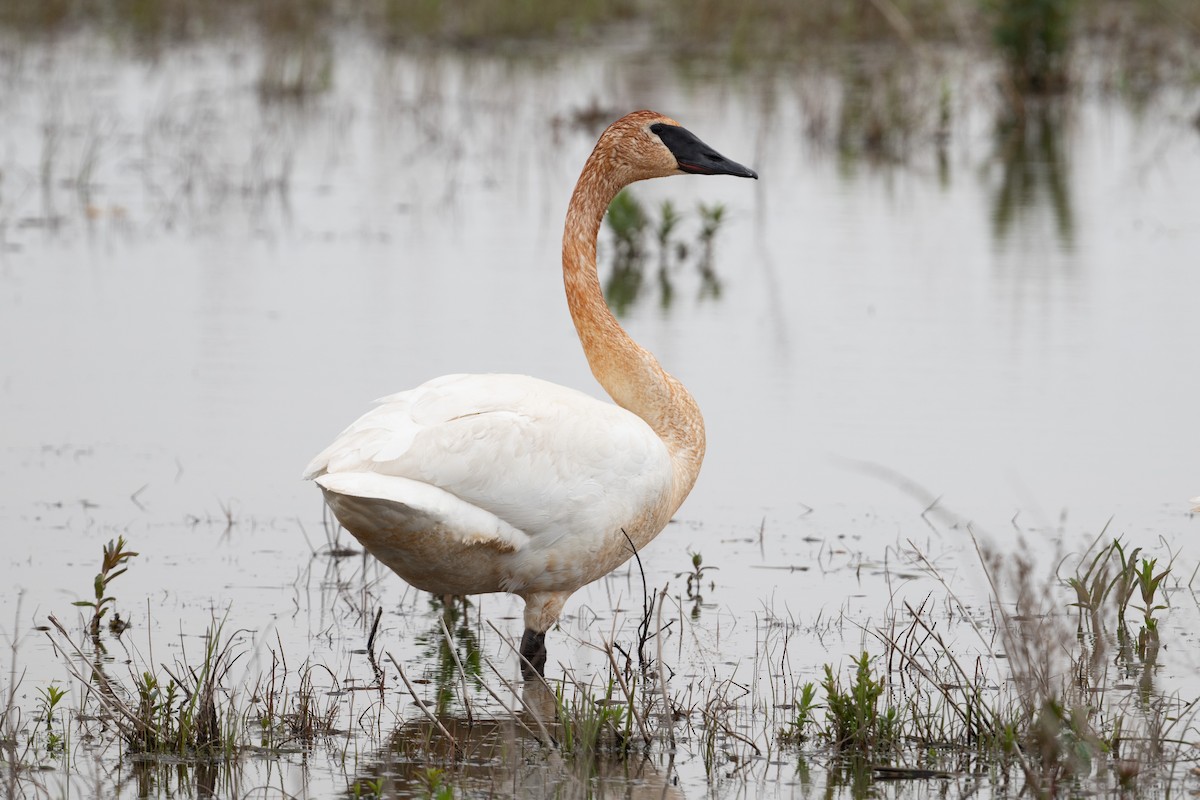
x: 200, y: 287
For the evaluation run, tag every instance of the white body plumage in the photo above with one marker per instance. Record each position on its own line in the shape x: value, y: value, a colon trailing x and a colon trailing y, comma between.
x: 542, y: 477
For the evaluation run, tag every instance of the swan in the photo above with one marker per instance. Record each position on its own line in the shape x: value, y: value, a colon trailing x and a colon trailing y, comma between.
x: 470, y: 484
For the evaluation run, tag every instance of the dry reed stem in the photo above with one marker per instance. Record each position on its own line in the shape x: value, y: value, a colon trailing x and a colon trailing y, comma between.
x: 629, y: 699
x: 544, y: 737
x: 668, y: 716
x: 122, y: 715
x: 424, y: 708
x: 512, y: 646
x: 461, y: 672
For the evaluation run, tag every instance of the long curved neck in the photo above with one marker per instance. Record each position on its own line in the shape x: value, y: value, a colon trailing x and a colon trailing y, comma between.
x: 629, y: 373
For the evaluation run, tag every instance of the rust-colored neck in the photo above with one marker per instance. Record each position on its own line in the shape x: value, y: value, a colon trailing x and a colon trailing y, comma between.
x: 630, y: 374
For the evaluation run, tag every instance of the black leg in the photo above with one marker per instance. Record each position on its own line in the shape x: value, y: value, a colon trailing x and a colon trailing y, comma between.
x: 533, y: 654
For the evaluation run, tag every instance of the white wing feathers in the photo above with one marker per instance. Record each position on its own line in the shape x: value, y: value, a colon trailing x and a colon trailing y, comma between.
x: 546, y: 460
x: 474, y: 525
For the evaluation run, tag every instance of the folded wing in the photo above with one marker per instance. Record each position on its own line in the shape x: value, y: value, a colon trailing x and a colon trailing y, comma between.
x: 537, y: 460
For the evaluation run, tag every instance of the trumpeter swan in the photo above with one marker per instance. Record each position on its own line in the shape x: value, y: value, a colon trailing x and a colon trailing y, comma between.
x: 506, y: 483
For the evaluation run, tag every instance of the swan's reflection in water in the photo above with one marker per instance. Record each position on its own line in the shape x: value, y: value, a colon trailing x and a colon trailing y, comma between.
x: 508, y: 755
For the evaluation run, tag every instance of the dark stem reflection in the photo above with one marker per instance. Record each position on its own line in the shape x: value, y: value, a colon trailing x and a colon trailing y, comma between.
x: 1036, y: 171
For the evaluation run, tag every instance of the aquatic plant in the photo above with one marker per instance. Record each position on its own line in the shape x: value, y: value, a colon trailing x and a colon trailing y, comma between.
x: 695, y: 576
x: 1117, y: 575
x: 1035, y: 38
x: 367, y: 788
x: 853, y: 717
x: 436, y: 785
x: 805, y: 706
x: 588, y: 722
x: 115, y: 555
x: 48, y: 699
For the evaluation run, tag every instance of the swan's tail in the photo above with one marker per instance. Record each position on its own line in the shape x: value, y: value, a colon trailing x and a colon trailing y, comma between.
x: 368, y: 501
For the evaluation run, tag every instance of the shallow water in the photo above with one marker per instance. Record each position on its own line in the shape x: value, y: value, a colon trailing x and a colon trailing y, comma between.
x: 199, y: 287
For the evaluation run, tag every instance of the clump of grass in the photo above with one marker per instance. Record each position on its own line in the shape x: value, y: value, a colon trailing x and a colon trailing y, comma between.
x: 181, y: 711
x: 1056, y: 718
x: 468, y: 23
x: 295, y: 68
x: 285, y: 714
x: 854, y: 720
x: 1113, y: 576
x: 1033, y: 699
x: 589, y: 722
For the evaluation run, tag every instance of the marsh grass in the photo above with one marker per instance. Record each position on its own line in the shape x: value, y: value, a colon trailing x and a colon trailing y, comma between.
x: 855, y: 720
x: 1053, y: 687
x: 180, y: 710
x: 1037, y: 695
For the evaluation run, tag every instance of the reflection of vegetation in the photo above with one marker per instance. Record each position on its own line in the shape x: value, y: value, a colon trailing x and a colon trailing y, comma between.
x: 1032, y: 35
x: 444, y: 660
x: 297, y: 55
x: 854, y: 774
x: 1035, y: 170
x: 295, y: 70
x: 632, y: 230
x: 710, y: 223
x: 627, y: 221
x: 881, y: 111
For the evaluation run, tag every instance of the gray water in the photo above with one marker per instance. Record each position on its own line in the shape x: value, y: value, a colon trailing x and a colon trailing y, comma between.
x: 200, y: 286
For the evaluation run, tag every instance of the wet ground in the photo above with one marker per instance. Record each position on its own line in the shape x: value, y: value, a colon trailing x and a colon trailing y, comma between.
x: 201, y: 284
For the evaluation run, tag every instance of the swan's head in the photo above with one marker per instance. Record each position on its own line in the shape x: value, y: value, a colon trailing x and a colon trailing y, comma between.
x: 650, y: 145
